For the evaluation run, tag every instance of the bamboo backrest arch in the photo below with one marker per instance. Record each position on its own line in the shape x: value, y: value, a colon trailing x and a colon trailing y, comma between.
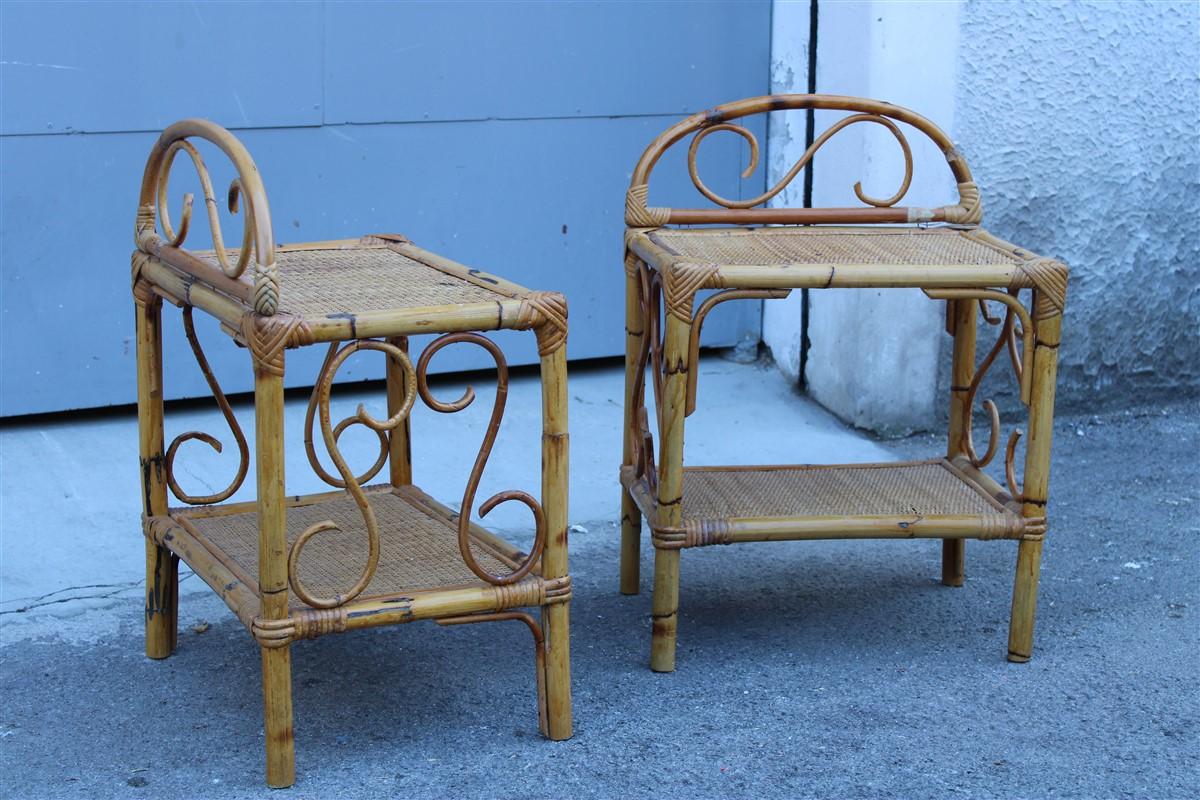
x: 246, y: 193
x: 967, y: 211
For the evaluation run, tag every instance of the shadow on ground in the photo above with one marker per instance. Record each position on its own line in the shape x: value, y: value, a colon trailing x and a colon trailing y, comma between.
x: 805, y: 670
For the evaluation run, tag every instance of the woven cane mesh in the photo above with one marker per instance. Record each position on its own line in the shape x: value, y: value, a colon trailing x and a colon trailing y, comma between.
x: 416, y: 551
x: 921, y: 488
x: 780, y: 246
x: 362, y: 279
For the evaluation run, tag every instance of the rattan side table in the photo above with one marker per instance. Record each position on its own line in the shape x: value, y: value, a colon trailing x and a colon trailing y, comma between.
x: 299, y: 567
x: 764, y: 253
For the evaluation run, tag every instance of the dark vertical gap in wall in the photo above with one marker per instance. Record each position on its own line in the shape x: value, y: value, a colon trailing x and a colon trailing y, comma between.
x: 809, y: 135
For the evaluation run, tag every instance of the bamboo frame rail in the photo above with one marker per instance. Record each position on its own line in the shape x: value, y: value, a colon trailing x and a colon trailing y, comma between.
x: 951, y: 498
x: 360, y: 556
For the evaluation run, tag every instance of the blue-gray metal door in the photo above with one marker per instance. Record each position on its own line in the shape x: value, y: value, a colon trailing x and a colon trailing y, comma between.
x: 501, y: 134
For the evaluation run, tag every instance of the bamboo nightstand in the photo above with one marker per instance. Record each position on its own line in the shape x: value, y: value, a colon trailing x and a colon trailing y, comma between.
x: 950, y: 497
x: 360, y: 556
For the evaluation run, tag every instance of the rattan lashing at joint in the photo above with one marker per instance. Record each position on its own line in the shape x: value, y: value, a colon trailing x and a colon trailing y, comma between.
x: 680, y: 283
x: 693, y: 533
x: 969, y: 210
x: 1049, y: 277
x: 546, y: 314
x: 268, y: 337
x: 638, y: 214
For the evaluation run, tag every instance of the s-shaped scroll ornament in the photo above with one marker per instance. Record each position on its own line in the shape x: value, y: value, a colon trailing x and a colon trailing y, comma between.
x: 489, y: 439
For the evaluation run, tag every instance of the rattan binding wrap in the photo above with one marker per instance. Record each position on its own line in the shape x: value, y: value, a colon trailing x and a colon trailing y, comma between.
x: 417, y: 551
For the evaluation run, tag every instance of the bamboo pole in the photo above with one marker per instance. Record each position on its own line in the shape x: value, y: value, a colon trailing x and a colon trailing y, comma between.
x: 162, y: 566
x: 665, y: 607
x: 863, y: 526
x: 556, y: 618
x: 400, y: 438
x: 962, y: 316
x: 1037, y: 478
x: 272, y: 575
x: 631, y: 517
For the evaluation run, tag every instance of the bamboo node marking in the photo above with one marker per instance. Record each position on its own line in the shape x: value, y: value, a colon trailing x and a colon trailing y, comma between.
x: 681, y: 282
x: 546, y: 313
x: 638, y: 215
x: 268, y: 336
x: 1049, y: 277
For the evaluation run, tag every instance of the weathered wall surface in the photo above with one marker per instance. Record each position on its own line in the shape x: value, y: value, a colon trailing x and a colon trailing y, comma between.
x: 1081, y: 122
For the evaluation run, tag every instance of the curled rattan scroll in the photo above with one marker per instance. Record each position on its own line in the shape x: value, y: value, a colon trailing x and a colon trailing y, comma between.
x: 189, y: 330
x: 1016, y: 325
x: 801, y: 163
x: 314, y: 402
x: 485, y: 449
x: 649, y: 355
x: 330, y: 433
x: 176, y: 239
x: 246, y: 196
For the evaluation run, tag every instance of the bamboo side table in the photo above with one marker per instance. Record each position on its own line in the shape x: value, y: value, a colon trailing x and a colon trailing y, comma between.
x: 879, y: 245
x: 359, y: 556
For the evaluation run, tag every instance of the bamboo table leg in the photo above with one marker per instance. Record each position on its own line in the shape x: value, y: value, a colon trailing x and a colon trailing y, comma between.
x: 556, y: 617
x: 1037, y: 477
x: 962, y: 317
x: 665, y: 607
x: 272, y: 572
x: 162, y: 566
x: 400, y: 437
x: 631, y: 516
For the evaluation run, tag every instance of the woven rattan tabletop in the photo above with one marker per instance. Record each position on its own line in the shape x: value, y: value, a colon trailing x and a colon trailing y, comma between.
x: 373, y: 274
x: 841, y: 245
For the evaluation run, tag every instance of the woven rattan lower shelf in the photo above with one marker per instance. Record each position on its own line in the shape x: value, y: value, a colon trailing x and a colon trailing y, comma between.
x: 421, y: 573
x: 938, y: 499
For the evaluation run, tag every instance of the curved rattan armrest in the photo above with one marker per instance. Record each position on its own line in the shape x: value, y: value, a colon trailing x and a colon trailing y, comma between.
x: 967, y: 211
x: 246, y: 194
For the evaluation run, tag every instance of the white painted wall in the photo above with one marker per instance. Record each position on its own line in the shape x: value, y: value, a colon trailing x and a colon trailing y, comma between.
x: 790, y: 27
x: 1081, y: 123
x: 873, y: 358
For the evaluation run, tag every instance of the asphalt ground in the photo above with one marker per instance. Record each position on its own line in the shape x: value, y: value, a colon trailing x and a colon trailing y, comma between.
x: 805, y: 669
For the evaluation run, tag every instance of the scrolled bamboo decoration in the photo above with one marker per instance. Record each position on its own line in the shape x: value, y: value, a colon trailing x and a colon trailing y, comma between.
x: 1022, y: 365
x: 246, y: 194
x: 967, y: 211
x: 489, y: 439
x: 800, y: 164
x: 189, y: 330
x: 321, y: 394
